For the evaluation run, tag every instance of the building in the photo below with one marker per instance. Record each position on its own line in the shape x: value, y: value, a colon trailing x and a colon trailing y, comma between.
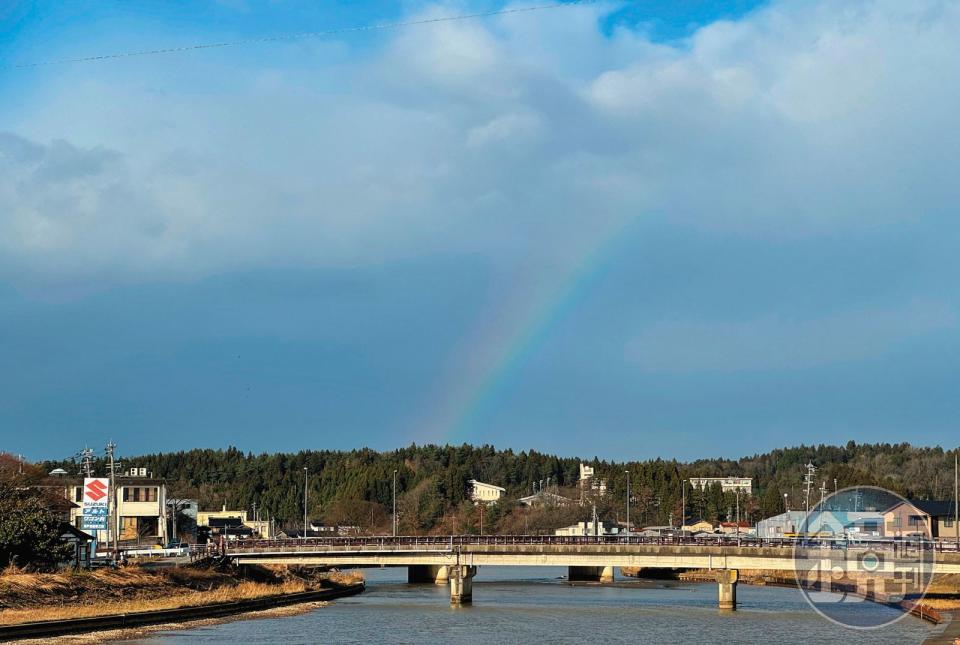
x: 83, y: 545
x: 727, y: 484
x: 225, y: 518
x: 588, y: 528
x: 486, y: 493
x: 546, y: 498
x: 933, y: 519
x: 735, y: 528
x: 698, y: 525
x: 589, y: 481
x: 138, y: 513
x: 826, y: 524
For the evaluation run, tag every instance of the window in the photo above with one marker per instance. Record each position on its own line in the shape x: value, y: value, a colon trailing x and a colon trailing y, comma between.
x: 78, y: 494
x: 916, y: 520
x: 947, y: 522
x: 896, y: 521
x: 150, y: 494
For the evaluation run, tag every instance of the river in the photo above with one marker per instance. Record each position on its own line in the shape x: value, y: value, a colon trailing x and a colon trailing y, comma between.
x: 532, y: 605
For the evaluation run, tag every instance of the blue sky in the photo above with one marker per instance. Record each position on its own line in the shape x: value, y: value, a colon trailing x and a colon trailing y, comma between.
x: 679, y: 229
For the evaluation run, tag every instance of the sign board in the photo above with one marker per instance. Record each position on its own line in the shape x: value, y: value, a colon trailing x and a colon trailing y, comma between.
x: 96, y: 503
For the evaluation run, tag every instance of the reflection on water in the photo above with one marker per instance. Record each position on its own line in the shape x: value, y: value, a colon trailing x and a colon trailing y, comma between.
x: 532, y: 604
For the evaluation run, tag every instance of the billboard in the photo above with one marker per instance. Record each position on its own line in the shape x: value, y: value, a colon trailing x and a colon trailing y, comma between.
x: 96, y: 503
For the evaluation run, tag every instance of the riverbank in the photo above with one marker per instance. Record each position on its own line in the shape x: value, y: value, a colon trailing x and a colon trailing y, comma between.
x: 943, y: 594
x: 32, y: 597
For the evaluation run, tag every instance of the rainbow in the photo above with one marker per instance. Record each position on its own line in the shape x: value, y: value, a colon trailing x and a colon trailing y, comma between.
x: 487, y: 361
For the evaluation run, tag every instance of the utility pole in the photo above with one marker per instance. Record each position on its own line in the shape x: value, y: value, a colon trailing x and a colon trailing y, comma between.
x: 111, y: 449
x: 808, y: 482
x: 683, y: 503
x: 394, y: 502
x: 956, y: 501
x: 628, y: 502
x: 738, y: 509
x: 305, y: 474
x: 86, y: 461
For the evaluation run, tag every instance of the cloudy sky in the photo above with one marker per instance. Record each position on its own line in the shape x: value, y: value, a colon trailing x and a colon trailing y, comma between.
x: 626, y: 229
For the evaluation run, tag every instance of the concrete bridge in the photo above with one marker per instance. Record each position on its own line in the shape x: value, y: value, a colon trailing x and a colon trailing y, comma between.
x: 454, y: 559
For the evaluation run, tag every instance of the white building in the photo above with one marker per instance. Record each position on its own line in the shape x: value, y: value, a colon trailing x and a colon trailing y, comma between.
x: 588, y: 481
x: 486, y: 493
x: 727, y: 484
x: 587, y: 528
x: 138, y: 513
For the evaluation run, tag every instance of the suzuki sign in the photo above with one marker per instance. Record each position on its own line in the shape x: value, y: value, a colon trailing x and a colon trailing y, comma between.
x: 96, y: 505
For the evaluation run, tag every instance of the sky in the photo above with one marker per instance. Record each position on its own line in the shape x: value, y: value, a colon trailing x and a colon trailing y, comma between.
x: 672, y: 229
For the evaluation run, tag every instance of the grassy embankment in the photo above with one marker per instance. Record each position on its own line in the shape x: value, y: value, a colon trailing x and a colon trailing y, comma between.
x: 27, y: 597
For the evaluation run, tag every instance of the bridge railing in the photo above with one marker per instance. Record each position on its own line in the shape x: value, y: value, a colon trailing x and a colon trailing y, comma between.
x: 452, y: 542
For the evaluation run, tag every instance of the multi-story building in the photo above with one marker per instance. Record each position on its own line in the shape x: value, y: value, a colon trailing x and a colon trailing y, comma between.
x: 486, y: 493
x: 138, y: 509
x: 589, y: 481
x: 727, y: 484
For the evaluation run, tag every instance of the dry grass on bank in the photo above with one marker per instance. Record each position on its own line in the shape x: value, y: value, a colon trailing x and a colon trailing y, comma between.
x: 28, y: 597
x: 242, y: 591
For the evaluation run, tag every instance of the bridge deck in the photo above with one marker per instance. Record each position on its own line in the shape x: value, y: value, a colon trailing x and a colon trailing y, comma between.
x: 725, y: 553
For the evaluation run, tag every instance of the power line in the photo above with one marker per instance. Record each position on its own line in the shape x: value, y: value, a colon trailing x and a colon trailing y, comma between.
x: 307, y: 34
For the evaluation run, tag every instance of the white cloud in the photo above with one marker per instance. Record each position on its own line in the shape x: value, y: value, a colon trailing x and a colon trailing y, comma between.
x: 800, y: 119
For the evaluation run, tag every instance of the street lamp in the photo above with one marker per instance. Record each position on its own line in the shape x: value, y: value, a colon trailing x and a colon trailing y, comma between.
x: 394, y: 502
x: 786, y: 506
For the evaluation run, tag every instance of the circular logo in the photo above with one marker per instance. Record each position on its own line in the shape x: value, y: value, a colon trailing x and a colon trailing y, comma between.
x: 862, y: 556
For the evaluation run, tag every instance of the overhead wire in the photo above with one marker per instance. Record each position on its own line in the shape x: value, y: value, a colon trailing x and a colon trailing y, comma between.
x: 304, y: 35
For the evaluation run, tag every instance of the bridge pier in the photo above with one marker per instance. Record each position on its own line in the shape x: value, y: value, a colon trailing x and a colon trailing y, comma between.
x: 590, y: 574
x: 727, y: 587
x: 427, y: 573
x: 461, y: 584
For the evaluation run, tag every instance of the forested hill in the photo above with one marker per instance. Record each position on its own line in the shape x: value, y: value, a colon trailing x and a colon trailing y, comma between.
x: 355, y: 487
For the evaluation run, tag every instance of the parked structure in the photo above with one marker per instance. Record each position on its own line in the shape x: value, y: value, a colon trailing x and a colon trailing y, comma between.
x: 485, y: 493
x: 727, y: 484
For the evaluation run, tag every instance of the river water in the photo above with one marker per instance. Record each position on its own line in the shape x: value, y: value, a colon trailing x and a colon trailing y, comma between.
x: 534, y: 605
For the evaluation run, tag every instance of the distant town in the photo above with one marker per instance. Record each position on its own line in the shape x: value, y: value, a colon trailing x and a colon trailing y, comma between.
x: 105, y: 505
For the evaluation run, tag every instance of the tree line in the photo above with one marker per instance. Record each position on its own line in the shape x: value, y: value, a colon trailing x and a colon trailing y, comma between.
x: 355, y: 487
